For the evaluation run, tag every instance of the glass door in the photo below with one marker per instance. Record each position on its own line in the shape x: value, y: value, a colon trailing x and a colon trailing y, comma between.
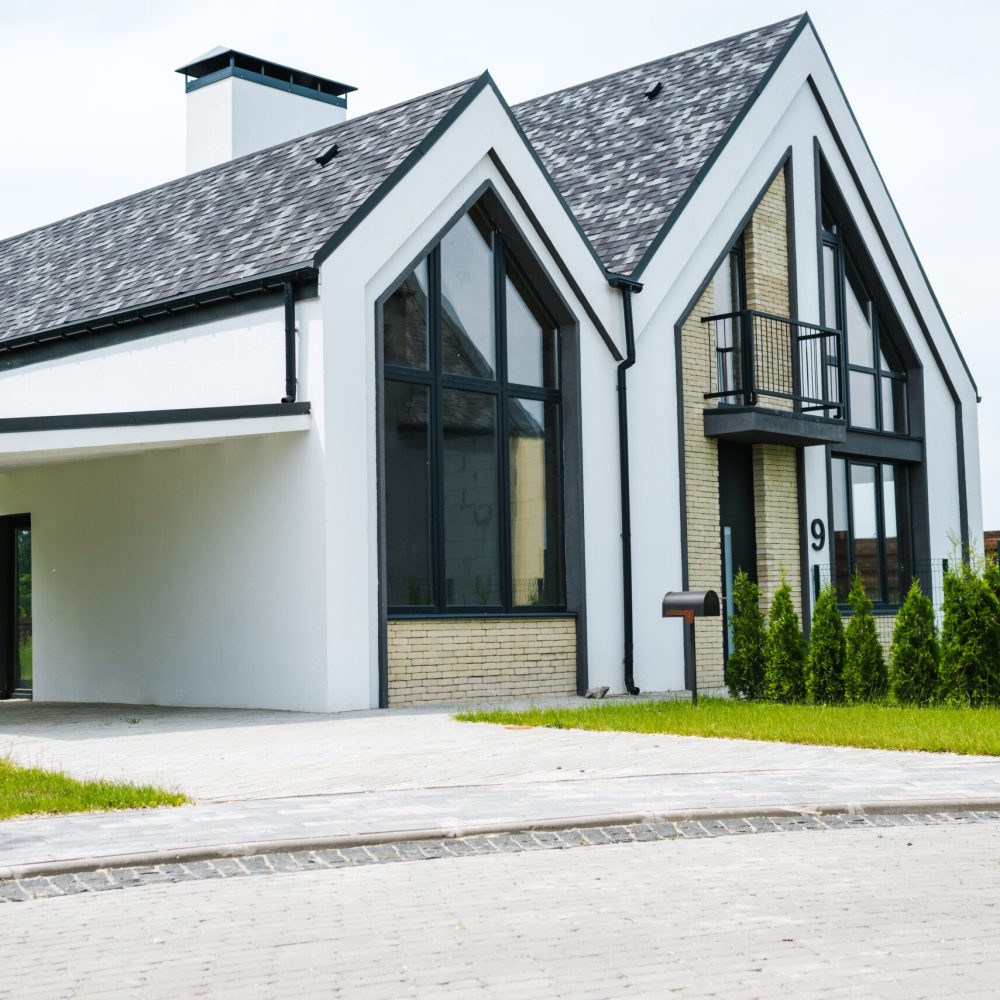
x: 15, y: 606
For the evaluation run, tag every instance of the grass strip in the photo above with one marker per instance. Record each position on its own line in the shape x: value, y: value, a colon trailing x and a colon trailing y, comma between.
x: 28, y: 791
x: 881, y: 727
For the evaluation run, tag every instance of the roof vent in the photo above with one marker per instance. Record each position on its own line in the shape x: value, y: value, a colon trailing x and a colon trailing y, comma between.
x: 654, y: 90
x: 324, y: 158
x: 238, y: 103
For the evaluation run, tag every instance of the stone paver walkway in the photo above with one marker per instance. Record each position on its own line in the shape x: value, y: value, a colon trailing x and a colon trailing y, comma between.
x: 262, y: 777
x: 896, y: 912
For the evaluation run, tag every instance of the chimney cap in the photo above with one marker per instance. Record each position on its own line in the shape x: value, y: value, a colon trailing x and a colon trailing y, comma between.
x: 221, y: 62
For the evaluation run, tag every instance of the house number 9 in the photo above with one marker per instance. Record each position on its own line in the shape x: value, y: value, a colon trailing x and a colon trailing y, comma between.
x: 818, y: 530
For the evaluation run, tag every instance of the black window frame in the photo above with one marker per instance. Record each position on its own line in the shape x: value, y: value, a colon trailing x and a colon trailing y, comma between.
x: 437, y: 382
x: 901, y: 477
x: 847, y: 273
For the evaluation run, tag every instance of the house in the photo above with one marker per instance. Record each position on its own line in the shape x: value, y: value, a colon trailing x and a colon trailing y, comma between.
x: 437, y: 402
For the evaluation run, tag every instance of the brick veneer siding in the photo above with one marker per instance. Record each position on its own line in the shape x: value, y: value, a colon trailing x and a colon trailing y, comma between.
x: 459, y: 659
x: 765, y: 242
x: 776, y: 507
x: 701, y: 484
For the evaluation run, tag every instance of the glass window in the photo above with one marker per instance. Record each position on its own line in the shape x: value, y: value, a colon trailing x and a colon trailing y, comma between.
x: 859, y: 331
x: 893, y: 405
x: 404, y: 318
x: 863, y: 413
x: 831, y: 309
x: 471, y: 500
x: 472, y: 457
x: 408, y: 493
x: 871, y: 531
x: 467, y: 313
x: 532, y: 352
x: 535, y: 502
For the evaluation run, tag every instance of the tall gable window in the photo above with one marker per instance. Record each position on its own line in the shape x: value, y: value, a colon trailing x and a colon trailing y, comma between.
x: 472, y: 431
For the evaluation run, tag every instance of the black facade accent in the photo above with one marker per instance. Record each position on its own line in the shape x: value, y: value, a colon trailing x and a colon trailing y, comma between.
x: 760, y: 425
x: 626, y: 287
x: 145, y: 418
x: 291, y: 381
x: 885, y: 447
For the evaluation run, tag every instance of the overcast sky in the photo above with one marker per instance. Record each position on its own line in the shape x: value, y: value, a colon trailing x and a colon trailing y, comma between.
x: 92, y: 110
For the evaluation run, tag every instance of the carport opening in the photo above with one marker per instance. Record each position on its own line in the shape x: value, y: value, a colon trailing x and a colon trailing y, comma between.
x: 15, y: 606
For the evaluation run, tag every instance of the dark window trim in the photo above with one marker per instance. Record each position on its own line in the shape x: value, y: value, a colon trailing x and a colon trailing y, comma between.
x: 438, y: 381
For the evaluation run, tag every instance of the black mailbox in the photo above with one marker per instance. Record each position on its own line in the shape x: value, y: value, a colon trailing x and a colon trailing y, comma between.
x: 691, y: 604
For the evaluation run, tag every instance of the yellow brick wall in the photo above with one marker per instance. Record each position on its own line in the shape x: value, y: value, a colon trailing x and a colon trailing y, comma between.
x: 775, y: 479
x: 460, y: 659
x: 701, y: 484
x: 776, y: 508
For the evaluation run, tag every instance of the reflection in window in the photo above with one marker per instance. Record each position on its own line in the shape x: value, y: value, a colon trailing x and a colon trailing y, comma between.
x: 871, y: 531
x: 472, y: 459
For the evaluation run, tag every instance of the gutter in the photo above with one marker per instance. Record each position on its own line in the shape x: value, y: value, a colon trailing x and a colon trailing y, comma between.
x: 291, y: 382
x: 626, y: 286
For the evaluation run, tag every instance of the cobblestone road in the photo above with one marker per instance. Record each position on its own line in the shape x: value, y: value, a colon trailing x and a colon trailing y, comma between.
x: 875, y: 910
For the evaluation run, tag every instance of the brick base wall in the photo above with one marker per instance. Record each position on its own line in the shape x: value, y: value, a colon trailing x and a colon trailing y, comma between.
x: 461, y: 659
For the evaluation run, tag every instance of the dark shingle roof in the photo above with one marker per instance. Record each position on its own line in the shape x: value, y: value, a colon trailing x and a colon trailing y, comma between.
x: 256, y: 215
x: 623, y: 162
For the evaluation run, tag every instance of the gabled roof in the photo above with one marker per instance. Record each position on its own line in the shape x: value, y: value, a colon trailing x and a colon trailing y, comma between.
x: 263, y: 213
x: 623, y: 161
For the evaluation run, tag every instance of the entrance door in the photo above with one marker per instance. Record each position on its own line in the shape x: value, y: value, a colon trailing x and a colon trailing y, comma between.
x: 15, y: 606
x: 739, y: 525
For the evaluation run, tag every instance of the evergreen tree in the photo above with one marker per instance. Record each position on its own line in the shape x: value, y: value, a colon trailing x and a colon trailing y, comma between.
x: 827, y: 651
x: 745, y: 669
x: 786, y: 650
x: 913, y: 656
x: 865, y: 675
x: 970, y: 638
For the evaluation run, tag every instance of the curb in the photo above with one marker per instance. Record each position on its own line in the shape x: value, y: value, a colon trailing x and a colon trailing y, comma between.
x: 248, y: 848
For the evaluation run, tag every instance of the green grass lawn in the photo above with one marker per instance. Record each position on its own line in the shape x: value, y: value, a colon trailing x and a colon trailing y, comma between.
x: 28, y: 790
x: 883, y: 727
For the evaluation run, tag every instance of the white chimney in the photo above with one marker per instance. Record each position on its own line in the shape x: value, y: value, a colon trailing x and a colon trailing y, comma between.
x: 237, y: 104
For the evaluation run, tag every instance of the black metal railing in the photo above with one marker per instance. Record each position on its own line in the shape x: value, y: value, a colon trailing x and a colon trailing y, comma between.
x: 760, y: 355
x: 888, y: 585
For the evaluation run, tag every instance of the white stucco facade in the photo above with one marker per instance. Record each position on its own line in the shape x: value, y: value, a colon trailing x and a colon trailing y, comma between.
x: 234, y: 559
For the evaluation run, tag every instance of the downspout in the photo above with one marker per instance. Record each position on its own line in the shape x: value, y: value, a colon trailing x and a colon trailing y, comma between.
x: 291, y: 382
x: 626, y: 286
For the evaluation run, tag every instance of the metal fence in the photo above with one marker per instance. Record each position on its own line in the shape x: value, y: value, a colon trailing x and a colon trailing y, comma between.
x: 929, y: 572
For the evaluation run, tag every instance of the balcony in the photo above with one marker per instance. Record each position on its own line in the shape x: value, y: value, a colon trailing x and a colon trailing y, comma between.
x: 775, y: 380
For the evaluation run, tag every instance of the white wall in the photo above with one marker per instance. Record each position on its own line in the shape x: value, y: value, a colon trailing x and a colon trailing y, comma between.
x: 191, y: 576
x: 229, y: 362
x: 233, y: 117
x: 352, y: 280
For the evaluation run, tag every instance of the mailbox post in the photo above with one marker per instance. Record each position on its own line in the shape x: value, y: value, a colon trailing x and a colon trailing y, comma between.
x: 691, y: 604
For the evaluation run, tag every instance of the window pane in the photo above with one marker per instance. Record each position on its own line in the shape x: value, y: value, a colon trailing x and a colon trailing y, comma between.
x: 831, y: 316
x: 862, y: 399
x: 532, y: 356
x: 896, y: 560
x: 536, y: 522
x: 407, y: 495
x: 724, y: 286
x: 468, y: 339
x: 865, y: 523
x: 860, y: 343
x: 841, y: 539
x: 471, y: 499
x: 894, y: 405
x: 404, y: 321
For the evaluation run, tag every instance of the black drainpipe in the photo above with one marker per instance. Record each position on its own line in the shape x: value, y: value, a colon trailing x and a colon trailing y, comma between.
x: 291, y: 382
x: 626, y: 286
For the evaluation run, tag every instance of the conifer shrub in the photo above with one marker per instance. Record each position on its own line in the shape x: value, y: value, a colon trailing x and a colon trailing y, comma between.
x: 784, y: 673
x: 914, y: 654
x: 865, y: 674
x: 827, y: 651
x: 745, y: 669
x: 970, y: 638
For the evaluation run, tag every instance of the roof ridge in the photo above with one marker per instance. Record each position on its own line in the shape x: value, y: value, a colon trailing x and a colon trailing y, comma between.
x: 184, y: 178
x: 795, y: 19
